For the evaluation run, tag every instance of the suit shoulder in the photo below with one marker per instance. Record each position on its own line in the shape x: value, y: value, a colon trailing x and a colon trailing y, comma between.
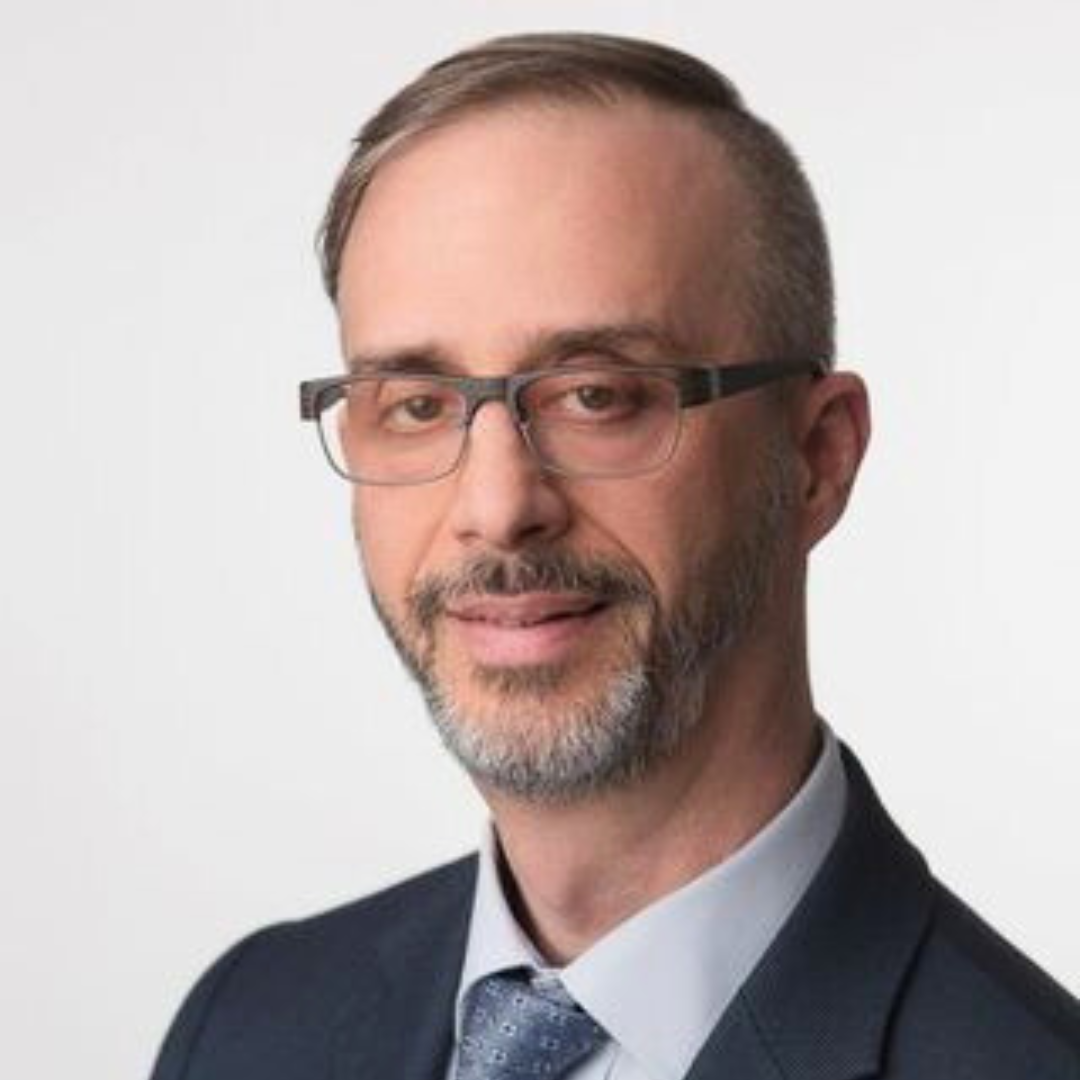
x: 974, y: 995
x: 269, y: 1004
x: 399, y: 918
x: 443, y: 890
x: 268, y: 1007
x: 1003, y: 966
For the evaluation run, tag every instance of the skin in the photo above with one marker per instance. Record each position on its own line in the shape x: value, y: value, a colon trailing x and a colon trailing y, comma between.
x: 473, y: 245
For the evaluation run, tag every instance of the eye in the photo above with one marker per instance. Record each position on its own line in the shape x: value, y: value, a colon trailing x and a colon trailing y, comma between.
x: 420, y: 408
x: 416, y: 414
x: 595, y: 398
x: 589, y: 397
x: 411, y: 407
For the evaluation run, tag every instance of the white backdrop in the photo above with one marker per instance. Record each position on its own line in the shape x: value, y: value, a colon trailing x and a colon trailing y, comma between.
x: 202, y: 728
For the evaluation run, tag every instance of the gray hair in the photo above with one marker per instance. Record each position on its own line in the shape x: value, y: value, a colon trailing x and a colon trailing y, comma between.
x: 786, y: 287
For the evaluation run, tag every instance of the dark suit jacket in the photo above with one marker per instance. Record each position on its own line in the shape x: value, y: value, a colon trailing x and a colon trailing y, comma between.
x: 880, y: 972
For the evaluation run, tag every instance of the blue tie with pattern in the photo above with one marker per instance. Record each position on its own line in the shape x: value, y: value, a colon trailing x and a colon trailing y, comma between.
x: 512, y: 1029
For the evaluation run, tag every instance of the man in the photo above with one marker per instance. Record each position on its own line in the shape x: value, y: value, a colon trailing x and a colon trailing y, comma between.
x: 593, y: 429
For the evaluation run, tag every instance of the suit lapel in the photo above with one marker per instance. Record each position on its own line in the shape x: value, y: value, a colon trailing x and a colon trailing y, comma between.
x: 735, y: 1050
x: 401, y: 1028
x: 818, y: 1005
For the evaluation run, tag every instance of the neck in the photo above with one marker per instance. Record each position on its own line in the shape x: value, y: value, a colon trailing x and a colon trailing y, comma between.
x: 574, y: 871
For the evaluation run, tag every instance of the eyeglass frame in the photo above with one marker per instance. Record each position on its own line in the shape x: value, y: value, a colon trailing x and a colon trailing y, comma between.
x: 696, y: 383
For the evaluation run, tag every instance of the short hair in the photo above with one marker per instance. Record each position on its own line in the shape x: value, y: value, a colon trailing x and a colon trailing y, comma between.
x: 786, y: 287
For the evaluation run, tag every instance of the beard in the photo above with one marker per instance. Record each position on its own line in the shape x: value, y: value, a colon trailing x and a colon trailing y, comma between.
x: 560, y: 732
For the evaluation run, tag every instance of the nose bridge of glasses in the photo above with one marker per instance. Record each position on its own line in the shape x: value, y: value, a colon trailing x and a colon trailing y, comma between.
x: 503, y: 388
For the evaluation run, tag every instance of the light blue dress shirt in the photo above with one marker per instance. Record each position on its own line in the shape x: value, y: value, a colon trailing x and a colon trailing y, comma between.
x: 660, y: 981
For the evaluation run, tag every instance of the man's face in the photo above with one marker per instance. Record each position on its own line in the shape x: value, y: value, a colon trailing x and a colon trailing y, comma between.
x: 567, y: 632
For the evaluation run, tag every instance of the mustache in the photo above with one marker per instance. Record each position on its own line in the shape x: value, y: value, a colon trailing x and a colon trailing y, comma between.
x: 605, y: 580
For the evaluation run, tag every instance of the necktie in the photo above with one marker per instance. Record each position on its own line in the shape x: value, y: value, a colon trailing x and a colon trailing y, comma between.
x: 512, y: 1030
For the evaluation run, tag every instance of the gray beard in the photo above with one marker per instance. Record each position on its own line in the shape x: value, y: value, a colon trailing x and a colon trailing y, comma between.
x: 642, y: 709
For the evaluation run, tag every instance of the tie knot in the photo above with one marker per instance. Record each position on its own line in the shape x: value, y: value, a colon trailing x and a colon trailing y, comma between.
x: 513, y: 1030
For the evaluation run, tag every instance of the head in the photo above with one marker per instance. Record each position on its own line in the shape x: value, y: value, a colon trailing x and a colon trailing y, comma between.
x: 578, y: 200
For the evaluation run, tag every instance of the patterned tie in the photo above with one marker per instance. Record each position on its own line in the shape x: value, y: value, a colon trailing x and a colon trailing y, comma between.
x: 512, y: 1030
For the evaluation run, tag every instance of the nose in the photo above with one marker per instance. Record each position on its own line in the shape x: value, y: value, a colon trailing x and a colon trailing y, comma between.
x: 503, y: 499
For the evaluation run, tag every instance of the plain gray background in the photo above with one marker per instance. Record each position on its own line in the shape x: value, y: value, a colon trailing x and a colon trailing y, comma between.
x: 202, y: 728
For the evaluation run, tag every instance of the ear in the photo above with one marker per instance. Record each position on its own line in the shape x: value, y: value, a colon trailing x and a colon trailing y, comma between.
x: 832, y: 429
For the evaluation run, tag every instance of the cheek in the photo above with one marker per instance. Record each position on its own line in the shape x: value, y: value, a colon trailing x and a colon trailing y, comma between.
x: 393, y: 535
x: 681, y: 517
x: 670, y: 527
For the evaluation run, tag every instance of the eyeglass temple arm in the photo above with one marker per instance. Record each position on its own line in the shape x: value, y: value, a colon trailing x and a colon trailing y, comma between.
x: 702, y: 385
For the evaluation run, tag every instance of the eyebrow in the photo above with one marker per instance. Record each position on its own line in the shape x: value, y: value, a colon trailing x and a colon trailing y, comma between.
x: 639, y: 341
x: 414, y: 359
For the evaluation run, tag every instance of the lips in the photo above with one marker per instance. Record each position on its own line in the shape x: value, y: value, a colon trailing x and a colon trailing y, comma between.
x: 527, y: 629
x: 531, y: 609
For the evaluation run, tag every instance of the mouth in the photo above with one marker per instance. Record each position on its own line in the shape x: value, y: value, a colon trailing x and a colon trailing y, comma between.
x: 531, y: 609
x: 532, y: 628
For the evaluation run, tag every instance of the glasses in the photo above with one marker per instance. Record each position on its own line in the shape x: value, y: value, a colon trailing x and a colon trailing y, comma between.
x: 608, y: 421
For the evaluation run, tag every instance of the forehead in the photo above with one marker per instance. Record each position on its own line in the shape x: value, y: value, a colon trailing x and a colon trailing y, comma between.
x: 540, y: 217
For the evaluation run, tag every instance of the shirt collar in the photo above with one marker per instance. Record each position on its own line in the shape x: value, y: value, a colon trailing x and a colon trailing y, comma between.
x: 691, y: 949
x: 496, y: 941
